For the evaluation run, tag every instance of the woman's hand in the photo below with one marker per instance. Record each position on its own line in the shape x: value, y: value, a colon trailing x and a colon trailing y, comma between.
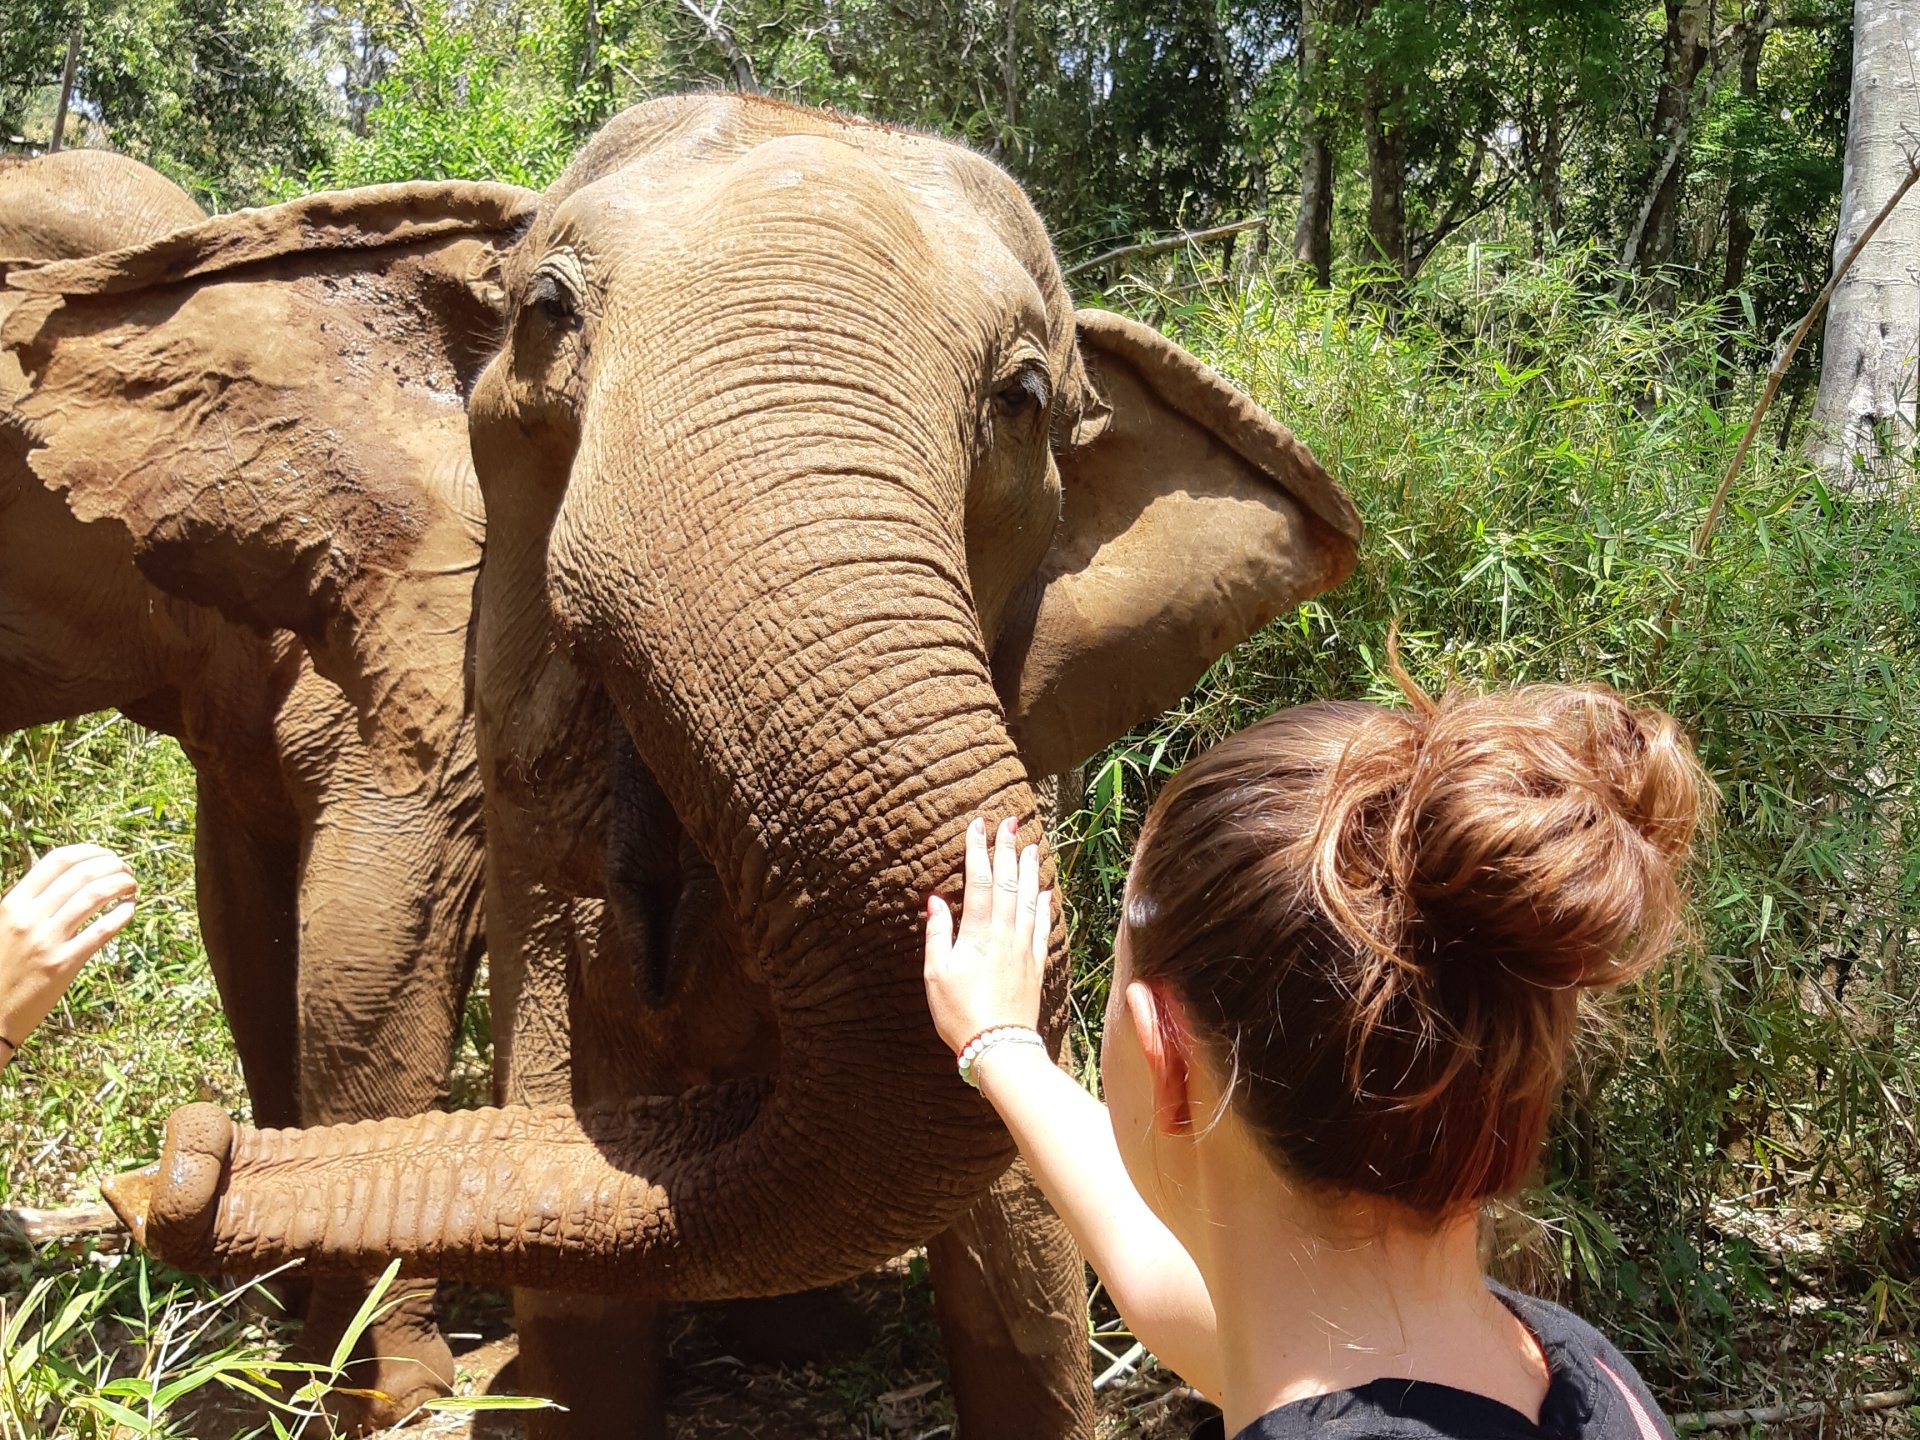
x: 990, y: 975
x: 42, y: 942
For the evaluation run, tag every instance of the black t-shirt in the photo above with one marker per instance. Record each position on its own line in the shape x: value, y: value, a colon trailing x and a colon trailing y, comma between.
x: 1592, y: 1394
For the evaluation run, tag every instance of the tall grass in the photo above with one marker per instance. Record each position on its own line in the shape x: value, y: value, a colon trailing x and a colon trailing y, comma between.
x: 140, y: 1030
x: 1736, y: 1167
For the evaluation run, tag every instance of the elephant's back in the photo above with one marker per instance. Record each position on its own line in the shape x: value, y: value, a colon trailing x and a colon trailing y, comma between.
x: 75, y: 203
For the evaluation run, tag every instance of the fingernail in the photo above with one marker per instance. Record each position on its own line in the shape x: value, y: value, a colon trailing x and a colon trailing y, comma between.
x: 1009, y: 825
x: 977, y: 825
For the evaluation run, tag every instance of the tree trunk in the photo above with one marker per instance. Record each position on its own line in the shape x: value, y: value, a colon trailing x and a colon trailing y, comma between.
x: 1386, y: 176
x: 1313, y: 232
x: 66, y: 92
x: 1552, y: 148
x: 1740, y: 230
x: 1685, y: 52
x: 1867, y: 372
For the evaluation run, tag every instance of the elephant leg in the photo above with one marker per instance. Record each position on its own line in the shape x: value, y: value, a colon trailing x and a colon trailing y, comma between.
x: 390, y: 933
x: 1010, y: 1294
x: 249, y: 923
x: 599, y: 1357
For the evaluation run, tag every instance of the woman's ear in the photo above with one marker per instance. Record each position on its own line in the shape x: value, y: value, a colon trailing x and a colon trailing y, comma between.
x: 1160, y: 1026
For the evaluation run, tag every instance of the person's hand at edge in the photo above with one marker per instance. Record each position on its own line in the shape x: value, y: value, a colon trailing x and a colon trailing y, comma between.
x: 45, y: 937
x: 990, y: 973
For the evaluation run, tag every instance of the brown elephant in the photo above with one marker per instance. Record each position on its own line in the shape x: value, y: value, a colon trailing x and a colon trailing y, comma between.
x: 74, y: 203
x: 818, y: 521
x: 339, y: 872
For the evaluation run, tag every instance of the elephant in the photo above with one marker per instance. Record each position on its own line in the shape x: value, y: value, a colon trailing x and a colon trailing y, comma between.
x: 75, y: 203
x: 338, y: 834
x: 818, y: 521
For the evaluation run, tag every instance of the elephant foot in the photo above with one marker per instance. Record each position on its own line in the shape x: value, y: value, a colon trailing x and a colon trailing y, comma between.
x: 400, y: 1362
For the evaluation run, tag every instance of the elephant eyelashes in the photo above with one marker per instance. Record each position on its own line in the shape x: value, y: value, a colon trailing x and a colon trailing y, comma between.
x: 554, y: 299
x: 1024, y: 395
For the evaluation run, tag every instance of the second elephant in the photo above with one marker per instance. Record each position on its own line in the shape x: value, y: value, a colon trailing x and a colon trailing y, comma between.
x: 337, y: 844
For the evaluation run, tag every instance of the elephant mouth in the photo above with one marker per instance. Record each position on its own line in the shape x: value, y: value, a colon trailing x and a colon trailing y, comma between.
x: 671, y: 978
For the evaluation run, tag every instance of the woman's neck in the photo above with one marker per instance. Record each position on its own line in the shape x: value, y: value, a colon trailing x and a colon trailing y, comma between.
x: 1313, y: 1297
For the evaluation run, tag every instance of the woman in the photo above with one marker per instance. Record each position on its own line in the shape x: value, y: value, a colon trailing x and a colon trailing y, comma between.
x: 1345, y: 984
x: 45, y: 937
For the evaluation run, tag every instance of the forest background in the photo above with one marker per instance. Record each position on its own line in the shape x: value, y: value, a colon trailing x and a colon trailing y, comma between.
x: 1516, y: 273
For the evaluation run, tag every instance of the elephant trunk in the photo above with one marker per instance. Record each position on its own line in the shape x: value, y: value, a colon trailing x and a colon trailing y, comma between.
x: 863, y: 1145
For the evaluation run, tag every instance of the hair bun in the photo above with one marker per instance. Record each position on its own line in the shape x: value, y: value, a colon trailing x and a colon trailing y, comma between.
x: 1544, y: 831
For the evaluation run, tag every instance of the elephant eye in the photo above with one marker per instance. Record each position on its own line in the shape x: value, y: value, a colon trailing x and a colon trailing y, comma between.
x: 554, y: 299
x: 1023, y: 394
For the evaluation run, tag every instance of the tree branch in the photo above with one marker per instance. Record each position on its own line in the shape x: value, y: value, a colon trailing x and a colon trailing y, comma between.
x: 1725, y: 45
x: 1161, y: 246
x: 25, y: 1227
x: 1703, y: 541
x: 721, y: 34
x: 1421, y: 247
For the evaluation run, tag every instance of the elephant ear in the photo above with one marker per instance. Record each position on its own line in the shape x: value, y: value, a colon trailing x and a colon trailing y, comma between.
x: 1189, y: 519
x: 272, y: 404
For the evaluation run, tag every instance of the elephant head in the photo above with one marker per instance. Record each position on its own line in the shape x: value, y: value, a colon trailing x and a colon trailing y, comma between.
x: 271, y: 403
x: 797, y: 443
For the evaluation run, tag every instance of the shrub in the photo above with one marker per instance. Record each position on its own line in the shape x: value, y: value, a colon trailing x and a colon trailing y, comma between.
x: 1532, y: 460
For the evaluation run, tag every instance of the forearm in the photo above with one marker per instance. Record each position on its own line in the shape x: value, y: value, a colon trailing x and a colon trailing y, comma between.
x: 1067, y: 1139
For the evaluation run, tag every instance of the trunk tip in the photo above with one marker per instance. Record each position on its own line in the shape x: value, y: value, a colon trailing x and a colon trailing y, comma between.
x: 130, y: 1196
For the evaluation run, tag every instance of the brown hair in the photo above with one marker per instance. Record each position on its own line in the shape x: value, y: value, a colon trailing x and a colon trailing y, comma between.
x: 1380, y: 920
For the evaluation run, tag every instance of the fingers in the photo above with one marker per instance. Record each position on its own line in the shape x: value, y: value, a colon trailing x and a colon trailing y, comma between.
x: 1042, y: 930
x: 1006, y: 875
x: 74, y: 878
x: 976, y: 904
x: 1027, y: 903
x: 939, y: 935
x: 114, y: 887
x: 56, y: 865
x: 87, y: 943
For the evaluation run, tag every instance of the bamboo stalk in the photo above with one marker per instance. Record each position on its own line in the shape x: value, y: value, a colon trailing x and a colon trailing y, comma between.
x: 1170, y: 242
x: 37, y: 1227
x: 1799, y: 1410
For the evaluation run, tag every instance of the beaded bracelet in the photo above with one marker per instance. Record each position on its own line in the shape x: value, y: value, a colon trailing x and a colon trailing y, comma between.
x: 993, y: 1035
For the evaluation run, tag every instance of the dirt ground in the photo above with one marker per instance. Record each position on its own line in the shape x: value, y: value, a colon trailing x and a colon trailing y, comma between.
x: 862, y: 1360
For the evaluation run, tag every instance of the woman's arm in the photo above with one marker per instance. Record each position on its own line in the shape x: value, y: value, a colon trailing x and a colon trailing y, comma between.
x: 1068, y: 1143
x: 42, y: 944
x: 990, y: 975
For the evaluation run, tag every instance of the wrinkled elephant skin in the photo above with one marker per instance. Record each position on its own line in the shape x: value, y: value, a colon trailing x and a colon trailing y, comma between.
x: 806, y: 481
x: 141, y: 506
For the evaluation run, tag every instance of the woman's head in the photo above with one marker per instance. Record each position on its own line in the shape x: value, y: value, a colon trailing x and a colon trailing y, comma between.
x: 1375, y: 924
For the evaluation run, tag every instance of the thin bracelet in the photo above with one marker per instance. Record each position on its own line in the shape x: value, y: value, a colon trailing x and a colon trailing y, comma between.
x: 993, y: 1035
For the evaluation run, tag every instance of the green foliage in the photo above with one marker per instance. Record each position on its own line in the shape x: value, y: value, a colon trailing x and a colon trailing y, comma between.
x: 140, y: 1030
x: 1737, y: 1154
x: 451, y: 108
x: 215, y: 94
x: 125, y: 1348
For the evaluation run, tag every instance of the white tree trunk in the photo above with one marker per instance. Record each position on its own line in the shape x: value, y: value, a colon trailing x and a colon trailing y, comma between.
x: 1867, y: 376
